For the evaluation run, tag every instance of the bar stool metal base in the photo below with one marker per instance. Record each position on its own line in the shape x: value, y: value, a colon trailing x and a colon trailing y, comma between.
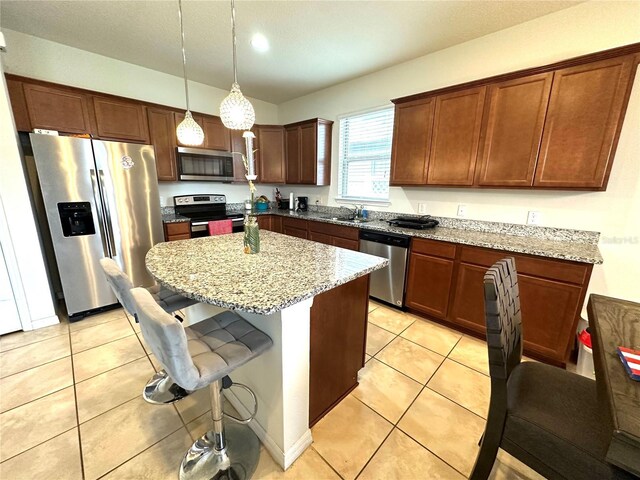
x: 237, y: 461
x: 161, y: 390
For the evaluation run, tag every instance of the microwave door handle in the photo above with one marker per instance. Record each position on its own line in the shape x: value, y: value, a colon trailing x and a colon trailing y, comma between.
x: 98, y: 203
x: 108, y: 216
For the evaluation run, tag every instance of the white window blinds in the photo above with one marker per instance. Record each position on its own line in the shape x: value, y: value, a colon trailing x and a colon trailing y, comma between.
x: 365, y: 155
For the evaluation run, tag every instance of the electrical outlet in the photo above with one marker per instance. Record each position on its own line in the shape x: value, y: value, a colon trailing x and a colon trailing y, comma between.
x: 462, y: 211
x: 534, y: 217
x: 422, y: 208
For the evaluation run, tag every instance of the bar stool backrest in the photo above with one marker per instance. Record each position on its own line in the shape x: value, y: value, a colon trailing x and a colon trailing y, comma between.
x: 119, y: 282
x: 166, y: 338
x: 503, y: 318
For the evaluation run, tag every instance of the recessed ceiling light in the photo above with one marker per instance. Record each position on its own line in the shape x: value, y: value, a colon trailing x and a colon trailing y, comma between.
x: 260, y: 42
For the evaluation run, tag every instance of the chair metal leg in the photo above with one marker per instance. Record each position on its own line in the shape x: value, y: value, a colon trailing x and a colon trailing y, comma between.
x: 228, y: 452
x: 161, y: 389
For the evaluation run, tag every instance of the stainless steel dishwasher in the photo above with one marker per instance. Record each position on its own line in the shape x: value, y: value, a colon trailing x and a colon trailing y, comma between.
x: 387, y: 284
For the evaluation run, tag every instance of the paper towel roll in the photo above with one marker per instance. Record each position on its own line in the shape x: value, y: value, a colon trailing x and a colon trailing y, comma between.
x: 291, y: 204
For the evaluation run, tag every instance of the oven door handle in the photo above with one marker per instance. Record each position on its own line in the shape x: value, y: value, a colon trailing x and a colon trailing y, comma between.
x: 197, y: 224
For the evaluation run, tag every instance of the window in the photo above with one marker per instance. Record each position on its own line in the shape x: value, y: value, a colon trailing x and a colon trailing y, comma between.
x: 365, y: 155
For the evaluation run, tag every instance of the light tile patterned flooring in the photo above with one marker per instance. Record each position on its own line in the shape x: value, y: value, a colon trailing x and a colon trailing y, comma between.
x: 71, y: 408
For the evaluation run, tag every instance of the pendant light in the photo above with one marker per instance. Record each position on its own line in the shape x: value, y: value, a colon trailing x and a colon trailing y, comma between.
x: 188, y: 131
x: 236, y: 111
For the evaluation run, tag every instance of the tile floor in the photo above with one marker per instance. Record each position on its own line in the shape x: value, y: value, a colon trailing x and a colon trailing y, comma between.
x: 70, y: 408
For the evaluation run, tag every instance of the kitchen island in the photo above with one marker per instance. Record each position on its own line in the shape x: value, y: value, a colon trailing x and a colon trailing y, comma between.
x: 310, y: 298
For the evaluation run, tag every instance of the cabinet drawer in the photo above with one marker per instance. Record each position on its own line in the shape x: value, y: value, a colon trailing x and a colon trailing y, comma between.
x: 350, y: 233
x: 294, y: 223
x: 179, y: 228
x: 433, y: 247
x: 539, y: 267
x: 184, y: 236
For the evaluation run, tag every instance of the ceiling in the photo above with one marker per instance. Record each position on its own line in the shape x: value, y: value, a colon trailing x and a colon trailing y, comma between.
x: 314, y: 44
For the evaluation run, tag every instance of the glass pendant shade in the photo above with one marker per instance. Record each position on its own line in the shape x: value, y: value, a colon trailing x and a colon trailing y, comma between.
x: 236, y: 111
x: 189, y: 132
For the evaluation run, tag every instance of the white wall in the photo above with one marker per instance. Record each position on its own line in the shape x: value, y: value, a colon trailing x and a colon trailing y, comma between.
x: 20, y: 244
x: 45, y: 60
x: 579, y: 30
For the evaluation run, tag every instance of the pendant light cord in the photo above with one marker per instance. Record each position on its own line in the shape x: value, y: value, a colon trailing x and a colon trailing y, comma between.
x: 233, y: 36
x: 184, y: 55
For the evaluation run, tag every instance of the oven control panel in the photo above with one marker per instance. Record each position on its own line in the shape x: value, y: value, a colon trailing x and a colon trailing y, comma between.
x: 199, y: 199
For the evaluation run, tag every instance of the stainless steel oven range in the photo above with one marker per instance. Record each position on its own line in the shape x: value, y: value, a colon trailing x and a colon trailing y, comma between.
x: 202, y: 209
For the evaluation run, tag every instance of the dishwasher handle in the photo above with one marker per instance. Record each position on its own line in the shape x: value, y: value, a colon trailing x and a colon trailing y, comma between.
x: 394, y: 239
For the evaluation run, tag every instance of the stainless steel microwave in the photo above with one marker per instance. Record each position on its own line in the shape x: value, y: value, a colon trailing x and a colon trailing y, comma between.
x: 204, y: 165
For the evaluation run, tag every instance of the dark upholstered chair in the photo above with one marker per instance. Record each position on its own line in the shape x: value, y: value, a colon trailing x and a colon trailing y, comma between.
x: 160, y: 389
x: 546, y: 417
x: 202, y: 356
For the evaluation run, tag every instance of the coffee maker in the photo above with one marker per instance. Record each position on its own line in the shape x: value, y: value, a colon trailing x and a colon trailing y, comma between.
x: 303, y: 204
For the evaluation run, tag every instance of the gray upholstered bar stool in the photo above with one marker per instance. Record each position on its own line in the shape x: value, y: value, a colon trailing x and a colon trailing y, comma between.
x: 161, y: 389
x: 199, y: 356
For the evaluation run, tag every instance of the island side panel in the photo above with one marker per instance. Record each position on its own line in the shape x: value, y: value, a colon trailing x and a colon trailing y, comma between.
x: 338, y: 341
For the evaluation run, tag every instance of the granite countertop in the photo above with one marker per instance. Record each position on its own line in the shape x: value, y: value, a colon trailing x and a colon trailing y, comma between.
x: 574, y: 245
x: 174, y: 218
x: 287, y: 270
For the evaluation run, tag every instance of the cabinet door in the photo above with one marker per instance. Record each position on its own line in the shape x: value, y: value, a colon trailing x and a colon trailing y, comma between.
x: 238, y: 147
x: 18, y: 105
x: 429, y: 284
x: 57, y: 109
x: 308, y: 153
x: 121, y: 120
x: 512, y: 130
x: 292, y: 135
x: 412, y: 127
x: 549, y: 315
x: 320, y: 238
x: 456, y: 135
x: 163, y: 139
x: 583, y: 122
x: 468, y: 305
x: 179, y: 117
x: 276, y: 224
x: 264, y: 222
x: 216, y: 135
x: 270, y: 154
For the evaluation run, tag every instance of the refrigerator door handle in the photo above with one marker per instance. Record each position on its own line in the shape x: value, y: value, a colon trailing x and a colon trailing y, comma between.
x: 108, y: 216
x: 98, y: 203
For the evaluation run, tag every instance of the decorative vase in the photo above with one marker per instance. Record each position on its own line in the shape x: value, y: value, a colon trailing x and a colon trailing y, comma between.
x: 251, y: 234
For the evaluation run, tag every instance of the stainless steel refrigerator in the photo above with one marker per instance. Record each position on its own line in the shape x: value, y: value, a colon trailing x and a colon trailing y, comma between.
x: 101, y: 200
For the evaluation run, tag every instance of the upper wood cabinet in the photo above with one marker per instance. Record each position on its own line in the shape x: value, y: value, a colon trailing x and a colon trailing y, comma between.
x: 216, y: 135
x: 308, y: 152
x: 413, y: 123
x: 456, y: 135
x: 57, y: 109
x: 238, y: 147
x: 270, y: 163
x: 512, y: 130
x: 121, y: 120
x: 585, y: 115
x: 163, y: 138
x: 18, y: 105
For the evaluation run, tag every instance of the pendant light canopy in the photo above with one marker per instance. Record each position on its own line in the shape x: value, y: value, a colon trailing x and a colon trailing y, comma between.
x: 236, y: 111
x: 188, y: 131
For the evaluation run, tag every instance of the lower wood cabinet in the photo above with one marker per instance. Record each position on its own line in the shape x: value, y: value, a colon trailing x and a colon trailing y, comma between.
x: 336, y: 235
x: 446, y: 281
x: 429, y: 284
x: 265, y: 222
x: 177, y: 231
x: 294, y: 227
x: 337, y: 344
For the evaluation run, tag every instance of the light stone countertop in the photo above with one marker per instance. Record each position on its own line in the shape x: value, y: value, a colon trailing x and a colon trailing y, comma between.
x: 574, y: 247
x: 287, y: 270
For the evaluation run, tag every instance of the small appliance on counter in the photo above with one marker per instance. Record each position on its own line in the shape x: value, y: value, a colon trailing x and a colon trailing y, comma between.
x: 303, y: 204
x: 416, y: 223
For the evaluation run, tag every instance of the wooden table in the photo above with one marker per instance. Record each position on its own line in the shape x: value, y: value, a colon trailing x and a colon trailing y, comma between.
x: 615, y: 323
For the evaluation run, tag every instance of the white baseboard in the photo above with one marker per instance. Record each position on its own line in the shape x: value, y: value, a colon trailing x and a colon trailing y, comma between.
x: 45, y: 322
x: 284, y: 459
